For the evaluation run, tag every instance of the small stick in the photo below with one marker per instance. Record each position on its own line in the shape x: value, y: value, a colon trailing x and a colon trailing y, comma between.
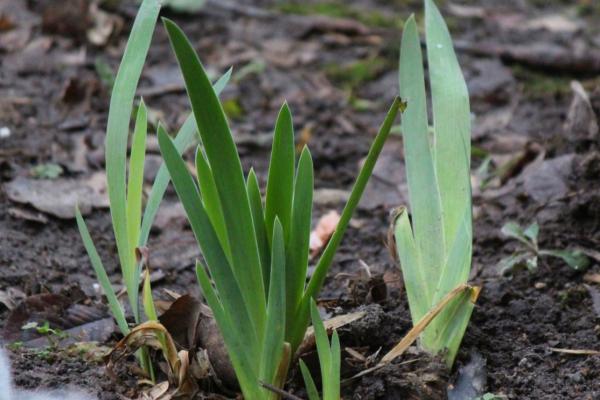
x: 280, y: 392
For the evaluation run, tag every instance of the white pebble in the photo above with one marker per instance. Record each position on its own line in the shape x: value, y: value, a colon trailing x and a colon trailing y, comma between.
x: 4, y: 132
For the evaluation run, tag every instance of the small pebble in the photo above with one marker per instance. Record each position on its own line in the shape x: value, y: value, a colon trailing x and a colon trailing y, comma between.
x: 4, y: 132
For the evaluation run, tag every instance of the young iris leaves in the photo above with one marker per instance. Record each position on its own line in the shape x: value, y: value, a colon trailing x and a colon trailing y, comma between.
x: 257, y: 256
x: 329, y: 361
x: 435, y: 249
x: 131, y: 230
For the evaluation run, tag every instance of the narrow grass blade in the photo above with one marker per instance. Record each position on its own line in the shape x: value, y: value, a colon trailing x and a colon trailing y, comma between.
x: 113, y: 302
x: 451, y: 121
x: 258, y: 219
x: 222, y: 156
x: 210, y: 199
x: 426, y: 209
x: 311, y: 388
x: 280, y: 183
x: 316, y: 282
x: 117, y: 131
x: 272, y: 349
x: 238, y: 352
x: 298, y: 247
x: 134, y: 204
x: 136, y: 176
x: 186, y: 137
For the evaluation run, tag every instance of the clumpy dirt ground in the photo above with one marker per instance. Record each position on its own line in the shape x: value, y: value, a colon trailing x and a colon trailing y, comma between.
x: 335, y: 62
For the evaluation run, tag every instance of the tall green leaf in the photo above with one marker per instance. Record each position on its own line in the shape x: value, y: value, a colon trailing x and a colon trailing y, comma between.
x: 451, y: 120
x: 185, y: 138
x: 134, y: 203
x: 302, y: 313
x: 230, y: 293
x: 437, y: 257
x: 227, y: 170
x: 117, y: 132
x: 421, y: 176
x: 299, y: 235
x: 316, y: 282
x: 210, y: 198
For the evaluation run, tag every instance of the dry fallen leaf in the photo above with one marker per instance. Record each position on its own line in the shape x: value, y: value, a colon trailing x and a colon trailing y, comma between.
x: 59, y: 197
x: 592, y: 278
x: 323, y: 231
x: 105, y: 25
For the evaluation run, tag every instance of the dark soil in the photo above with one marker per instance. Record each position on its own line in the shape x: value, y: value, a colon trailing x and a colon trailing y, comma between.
x: 339, y: 80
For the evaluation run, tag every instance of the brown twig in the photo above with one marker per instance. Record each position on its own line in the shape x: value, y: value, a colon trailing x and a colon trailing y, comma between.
x: 280, y: 392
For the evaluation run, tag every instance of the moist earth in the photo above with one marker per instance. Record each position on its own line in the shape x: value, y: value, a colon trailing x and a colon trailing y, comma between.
x: 536, y: 158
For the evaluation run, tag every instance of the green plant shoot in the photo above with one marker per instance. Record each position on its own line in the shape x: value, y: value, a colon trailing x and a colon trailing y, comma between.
x: 329, y: 361
x: 529, y: 254
x: 125, y: 189
x: 256, y: 254
x: 435, y: 246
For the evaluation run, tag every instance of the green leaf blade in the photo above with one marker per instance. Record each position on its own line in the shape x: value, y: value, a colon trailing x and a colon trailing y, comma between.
x: 425, y: 202
x: 258, y: 219
x: 134, y: 203
x: 113, y: 302
x: 230, y: 292
x: 311, y: 388
x: 211, y: 201
x: 415, y: 279
x: 185, y: 138
x: 117, y: 132
x: 245, y: 370
x: 322, y: 342
x: 318, y: 278
x: 272, y: 349
x: 332, y: 386
x: 298, y: 245
x: 226, y: 166
x: 280, y: 183
x: 451, y: 121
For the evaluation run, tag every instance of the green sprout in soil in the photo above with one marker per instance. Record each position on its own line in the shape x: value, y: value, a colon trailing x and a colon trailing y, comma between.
x: 125, y: 189
x: 329, y: 361
x: 435, y: 245
x: 256, y: 254
x: 527, y: 256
